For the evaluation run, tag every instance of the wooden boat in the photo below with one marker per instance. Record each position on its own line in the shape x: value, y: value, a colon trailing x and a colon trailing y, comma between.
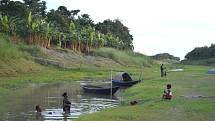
x: 125, y: 84
x: 99, y: 89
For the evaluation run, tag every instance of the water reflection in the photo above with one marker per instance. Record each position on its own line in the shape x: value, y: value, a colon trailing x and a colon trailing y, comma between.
x: 49, y: 97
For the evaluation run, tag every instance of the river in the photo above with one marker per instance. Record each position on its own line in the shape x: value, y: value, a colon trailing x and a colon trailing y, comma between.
x: 20, y: 106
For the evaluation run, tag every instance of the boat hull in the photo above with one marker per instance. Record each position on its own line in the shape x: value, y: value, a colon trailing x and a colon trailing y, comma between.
x: 125, y: 84
x: 211, y: 71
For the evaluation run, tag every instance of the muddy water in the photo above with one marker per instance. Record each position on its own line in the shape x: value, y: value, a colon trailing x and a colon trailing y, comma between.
x: 20, y: 106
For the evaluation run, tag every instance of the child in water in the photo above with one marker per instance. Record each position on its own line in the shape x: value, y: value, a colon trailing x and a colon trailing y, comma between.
x: 167, y: 92
x: 38, y: 108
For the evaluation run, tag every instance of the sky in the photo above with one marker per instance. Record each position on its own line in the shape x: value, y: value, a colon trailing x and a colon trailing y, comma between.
x: 158, y: 26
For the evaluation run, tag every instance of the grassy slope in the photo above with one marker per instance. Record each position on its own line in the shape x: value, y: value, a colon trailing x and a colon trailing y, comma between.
x: 17, y: 68
x: 13, y: 61
x: 125, y: 58
x: 193, y: 81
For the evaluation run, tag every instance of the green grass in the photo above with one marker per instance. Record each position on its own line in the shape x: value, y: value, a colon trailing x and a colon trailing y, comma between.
x: 193, y: 81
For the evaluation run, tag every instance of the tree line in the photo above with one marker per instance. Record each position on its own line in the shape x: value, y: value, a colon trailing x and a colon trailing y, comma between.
x: 162, y: 56
x: 199, y: 53
x: 30, y: 22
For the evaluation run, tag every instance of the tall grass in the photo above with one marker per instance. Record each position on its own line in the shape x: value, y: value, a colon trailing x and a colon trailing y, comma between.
x: 33, y: 50
x: 123, y: 57
x: 9, y: 50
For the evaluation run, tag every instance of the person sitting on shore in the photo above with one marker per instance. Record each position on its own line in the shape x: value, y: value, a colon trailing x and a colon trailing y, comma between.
x: 66, y: 103
x: 167, y: 93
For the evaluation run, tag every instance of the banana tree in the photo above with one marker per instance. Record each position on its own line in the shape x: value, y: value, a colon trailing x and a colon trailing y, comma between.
x: 60, y: 37
x: 33, y: 28
x: 88, y: 34
x: 83, y: 39
x: 79, y: 37
x: 100, y: 38
x: 91, y: 35
x: 9, y: 25
x: 109, y: 40
x: 72, y: 35
x: 64, y: 39
x: 49, y: 32
x: 4, y: 24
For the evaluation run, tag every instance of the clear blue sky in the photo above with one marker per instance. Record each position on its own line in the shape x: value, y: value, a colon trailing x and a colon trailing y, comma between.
x: 172, y: 26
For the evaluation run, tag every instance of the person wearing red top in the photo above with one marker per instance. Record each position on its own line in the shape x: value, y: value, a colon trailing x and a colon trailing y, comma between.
x: 167, y: 93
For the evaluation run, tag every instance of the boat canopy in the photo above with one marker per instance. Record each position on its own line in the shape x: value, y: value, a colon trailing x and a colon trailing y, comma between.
x: 122, y: 76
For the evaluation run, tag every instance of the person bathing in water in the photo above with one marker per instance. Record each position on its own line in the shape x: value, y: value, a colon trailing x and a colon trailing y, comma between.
x: 38, y: 109
x: 66, y: 103
x: 38, y: 112
x: 167, y: 92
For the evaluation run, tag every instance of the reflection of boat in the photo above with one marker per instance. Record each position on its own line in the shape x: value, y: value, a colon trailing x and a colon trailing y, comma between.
x: 99, y: 89
x: 94, y: 95
x: 125, y: 84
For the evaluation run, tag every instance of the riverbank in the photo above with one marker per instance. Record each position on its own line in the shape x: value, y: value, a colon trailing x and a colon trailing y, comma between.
x: 192, y: 90
x: 193, y: 98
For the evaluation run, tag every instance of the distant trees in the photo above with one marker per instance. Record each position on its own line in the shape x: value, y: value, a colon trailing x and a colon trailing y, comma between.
x: 162, y: 56
x: 120, y: 33
x: 61, y: 28
x: 199, y: 53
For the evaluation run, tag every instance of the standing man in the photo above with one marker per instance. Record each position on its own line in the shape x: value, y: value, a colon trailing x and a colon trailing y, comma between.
x: 162, y: 70
x: 66, y: 103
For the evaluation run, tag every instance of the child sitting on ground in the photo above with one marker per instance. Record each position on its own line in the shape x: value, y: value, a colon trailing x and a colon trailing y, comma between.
x: 167, y: 92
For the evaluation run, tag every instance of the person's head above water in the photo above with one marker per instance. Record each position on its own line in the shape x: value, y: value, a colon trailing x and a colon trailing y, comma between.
x: 64, y: 94
x: 38, y: 108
